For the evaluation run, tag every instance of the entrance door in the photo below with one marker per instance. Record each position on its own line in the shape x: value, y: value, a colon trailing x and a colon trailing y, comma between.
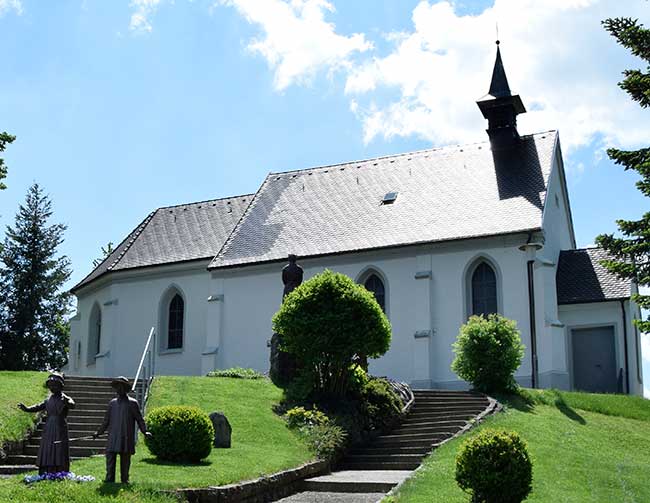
x: 594, y: 360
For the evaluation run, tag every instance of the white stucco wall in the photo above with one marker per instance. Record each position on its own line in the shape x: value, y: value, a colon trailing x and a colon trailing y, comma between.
x: 130, y: 303
x: 606, y: 314
x: 241, y: 322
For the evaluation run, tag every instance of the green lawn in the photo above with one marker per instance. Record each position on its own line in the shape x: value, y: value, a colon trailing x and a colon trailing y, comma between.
x: 27, y: 387
x: 262, y: 444
x: 585, y: 448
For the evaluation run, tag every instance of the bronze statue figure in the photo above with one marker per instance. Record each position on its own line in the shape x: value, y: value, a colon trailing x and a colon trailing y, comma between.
x: 120, y: 420
x: 291, y: 276
x: 54, y: 449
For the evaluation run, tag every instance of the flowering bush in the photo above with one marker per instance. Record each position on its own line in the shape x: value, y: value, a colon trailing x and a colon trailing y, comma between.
x: 299, y: 416
x: 30, y: 479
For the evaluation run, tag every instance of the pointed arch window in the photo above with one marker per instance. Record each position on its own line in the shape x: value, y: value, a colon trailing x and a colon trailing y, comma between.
x: 374, y: 284
x: 94, y: 333
x: 176, y: 313
x: 484, y: 290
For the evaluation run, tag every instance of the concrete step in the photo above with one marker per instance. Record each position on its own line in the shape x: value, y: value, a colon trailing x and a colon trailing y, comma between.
x: 425, y: 430
x: 79, y: 452
x: 355, y: 482
x: 98, y: 442
x: 373, y: 450
x: 431, y: 437
x: 439, y: 409
x: 380, y: 466
x: 16, y: 469
x: 89, y: 406
x: 86, y: 413
x: 409, y: 442
x: 434, y: 417
x: 85, y: 396
x: 384, y: 458
x: 28, y: 459
x: 470, y: 402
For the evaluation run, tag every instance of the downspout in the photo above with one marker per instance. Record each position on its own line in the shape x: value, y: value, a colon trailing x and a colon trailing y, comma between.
x: 533, y: 327
x: 627, y: 373
x: 530, y: 248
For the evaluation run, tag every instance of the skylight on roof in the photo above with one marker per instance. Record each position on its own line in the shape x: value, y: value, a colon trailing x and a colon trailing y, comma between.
x: 389, y: 198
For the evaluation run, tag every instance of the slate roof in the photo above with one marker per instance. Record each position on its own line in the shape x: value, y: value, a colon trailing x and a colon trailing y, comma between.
x: 582, y: 279
x: 175, y: 234
x: 443, y: 194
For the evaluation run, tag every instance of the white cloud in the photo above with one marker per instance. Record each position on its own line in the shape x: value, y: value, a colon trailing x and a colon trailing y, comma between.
x: 141, y: 18
x: 8, y: 5
x: 557, y: 56
x: 296, y: 40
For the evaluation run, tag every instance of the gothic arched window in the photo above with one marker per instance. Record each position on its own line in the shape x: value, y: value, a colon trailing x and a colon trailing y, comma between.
x: 484, y: 290
x: 175, y: 322
x: 374, y: 284
x: 94, y: 333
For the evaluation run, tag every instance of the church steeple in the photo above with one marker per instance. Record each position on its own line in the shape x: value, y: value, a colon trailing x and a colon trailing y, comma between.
x: 501, y: 108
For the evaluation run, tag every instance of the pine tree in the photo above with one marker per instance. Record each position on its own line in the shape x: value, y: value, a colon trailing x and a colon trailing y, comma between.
x: 5, y: 139
x: 34, y: 330
x: 106, y: 251
x: 631, y: 252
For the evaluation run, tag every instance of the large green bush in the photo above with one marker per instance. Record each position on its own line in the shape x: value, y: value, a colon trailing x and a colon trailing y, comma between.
x: 331, y: 324
x: 179, y: 433
x: 488, y: 352
x: 494, y: 467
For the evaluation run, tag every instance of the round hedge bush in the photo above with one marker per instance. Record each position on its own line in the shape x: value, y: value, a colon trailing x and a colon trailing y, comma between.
x: 488, y: 352
x: 494, y: 467
x: 179, y: 433
x: 331, y: 324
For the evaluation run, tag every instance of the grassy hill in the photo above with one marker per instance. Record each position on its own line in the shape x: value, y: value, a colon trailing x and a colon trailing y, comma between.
x: 261, y: 444
x: 26, y: 387
x: 584, y: 447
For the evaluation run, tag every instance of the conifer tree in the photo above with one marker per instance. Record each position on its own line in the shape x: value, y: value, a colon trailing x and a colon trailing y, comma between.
x: 34, y: 330
x: 631, y: 251
x: 5, y: 139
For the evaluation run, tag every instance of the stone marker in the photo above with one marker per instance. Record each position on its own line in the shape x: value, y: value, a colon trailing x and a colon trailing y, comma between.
x: 222, y: 430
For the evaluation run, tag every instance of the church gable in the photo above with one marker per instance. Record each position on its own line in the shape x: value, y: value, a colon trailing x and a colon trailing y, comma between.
x: 428, y: 196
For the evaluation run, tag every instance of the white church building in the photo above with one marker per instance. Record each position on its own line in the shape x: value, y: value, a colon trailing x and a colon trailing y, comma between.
x: 437, y: 235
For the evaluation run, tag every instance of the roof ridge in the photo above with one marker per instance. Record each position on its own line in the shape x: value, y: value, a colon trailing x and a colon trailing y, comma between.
x: 401, y: 154
x: 201, y: 202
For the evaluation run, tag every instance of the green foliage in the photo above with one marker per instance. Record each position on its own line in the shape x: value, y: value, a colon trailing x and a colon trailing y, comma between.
x: 5, y: 139
x: 106, y: 251
x: 488, y: 352
x: 179, y: 433
x: 327, y: 441
x: 33, y: 326
x: 26, y: 387
x: 494, y: 467
x: 236, y: 372
x: 298, y: 417
x: 631, y: 252
x: 379, y: 403
x: 330, y: 324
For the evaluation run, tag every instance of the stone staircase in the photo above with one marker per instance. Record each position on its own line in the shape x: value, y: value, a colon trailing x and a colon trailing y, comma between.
x: 91, y: 396
x: 375, y: 468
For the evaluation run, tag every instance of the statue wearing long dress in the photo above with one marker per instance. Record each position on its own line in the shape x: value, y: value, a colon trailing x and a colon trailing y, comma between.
x: 121, y: 418
x: 54, y: 449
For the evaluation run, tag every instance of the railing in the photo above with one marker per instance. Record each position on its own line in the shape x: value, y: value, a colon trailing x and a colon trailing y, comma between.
x: 146, y: 370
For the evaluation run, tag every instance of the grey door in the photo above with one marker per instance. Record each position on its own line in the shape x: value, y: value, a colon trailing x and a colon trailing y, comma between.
x: 594, y: 360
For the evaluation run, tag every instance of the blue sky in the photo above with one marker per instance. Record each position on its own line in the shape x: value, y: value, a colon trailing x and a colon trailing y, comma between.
x: 124, y: 106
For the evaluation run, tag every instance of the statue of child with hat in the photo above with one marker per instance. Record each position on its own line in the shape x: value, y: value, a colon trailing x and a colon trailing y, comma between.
x: 54, y: 449
x: 121, y: 417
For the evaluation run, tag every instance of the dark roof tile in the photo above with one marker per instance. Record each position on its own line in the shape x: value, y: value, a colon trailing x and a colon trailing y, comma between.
x: 581, y: 278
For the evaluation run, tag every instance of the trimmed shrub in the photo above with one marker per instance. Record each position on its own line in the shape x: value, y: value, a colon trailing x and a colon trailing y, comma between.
x: 299, y: 416
x: 380, y: 404
x: 488, y: 352
x: 494, y: 467
x: 236, y: 372
x: 331, y: 324
x: 327, y: 441
x: 179, y: 433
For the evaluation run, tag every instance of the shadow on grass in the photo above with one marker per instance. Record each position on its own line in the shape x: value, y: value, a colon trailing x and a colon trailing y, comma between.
x: 161, y: 462
x: 525, y: 401
x: 111, y: 488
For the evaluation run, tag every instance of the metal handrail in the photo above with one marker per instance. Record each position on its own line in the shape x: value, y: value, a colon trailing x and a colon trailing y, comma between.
x: 145, y: 373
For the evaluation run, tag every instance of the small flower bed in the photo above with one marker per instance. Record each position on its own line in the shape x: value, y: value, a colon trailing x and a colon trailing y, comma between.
x: 236, y: 372
x: 30, y: 479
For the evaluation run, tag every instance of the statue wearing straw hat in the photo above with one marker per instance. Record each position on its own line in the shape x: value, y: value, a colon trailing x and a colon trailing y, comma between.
x: 120, y: 420
x: 54, y: 449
